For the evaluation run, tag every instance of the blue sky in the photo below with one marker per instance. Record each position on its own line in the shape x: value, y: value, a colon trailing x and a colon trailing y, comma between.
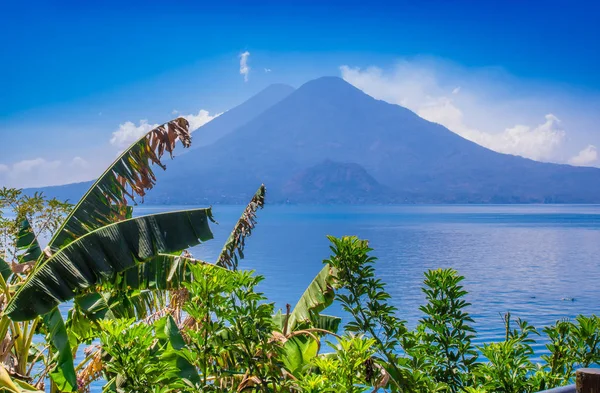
x: 518, y: 77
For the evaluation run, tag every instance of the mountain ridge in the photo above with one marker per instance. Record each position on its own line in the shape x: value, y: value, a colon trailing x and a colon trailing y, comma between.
x: 329, y: 119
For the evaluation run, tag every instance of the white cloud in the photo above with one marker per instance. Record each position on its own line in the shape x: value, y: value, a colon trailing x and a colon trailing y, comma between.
x: 174, y: 112
x: 79, y: 162
x: 38, y: 172
x: 200, y: 119
x: 586, y: 157
x: 128, y: 133
x: 26, y: 167
x: 267, y: 70
x: 244, y: 68
x: 506, y: 125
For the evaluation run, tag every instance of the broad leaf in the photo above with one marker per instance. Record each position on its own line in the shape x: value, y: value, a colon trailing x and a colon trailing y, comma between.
x: 298, y: 352
x: 27, y: 243
x: 121, y: 299
x: 63, y: 373
x: 98, y: 256
x: 163, y: 272
x: 318, y: 296
x: 7, y: 384
x: 234, y: 246
x: 327, y: 322
x: 5, y: 269
x: 131, y: 174
x: 167, y: 331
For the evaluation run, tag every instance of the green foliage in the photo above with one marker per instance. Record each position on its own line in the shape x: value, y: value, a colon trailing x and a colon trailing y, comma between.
x: 363, y: 296
x: 134, y: 359
x: 348, y: 369
x: 444, y: 334
x: 129, y: 175
x: 97, y: 256
x: 25, y: 218
x: 438, y: 355
x: 509, y: 368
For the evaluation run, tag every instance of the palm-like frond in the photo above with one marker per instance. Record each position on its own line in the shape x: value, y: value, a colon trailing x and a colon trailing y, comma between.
x: 318, y: 296
x: 97, y: 256
x: 234, y: 247
x: 130, y: 175
x: 134, y: 289
x: 27, y: 243
x: 163, y: 272
x: 63, y: 372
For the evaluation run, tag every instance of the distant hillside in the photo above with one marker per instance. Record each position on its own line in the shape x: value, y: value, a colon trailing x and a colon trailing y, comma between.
x: 241, y: 114
x: 414, y: 160
x: 334, y: 182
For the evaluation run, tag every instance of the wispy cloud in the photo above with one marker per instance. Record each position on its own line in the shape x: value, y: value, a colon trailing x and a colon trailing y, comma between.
x: 473, y: 107
x: 39, y: 171
x: 585, y: 157
x: 244, y: 67
x: 267, y: 70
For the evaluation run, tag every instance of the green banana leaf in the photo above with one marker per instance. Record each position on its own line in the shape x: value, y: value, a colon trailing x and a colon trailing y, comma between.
x: 63, y: 374
x: 131, y: 174
x: 27, y: 243
x: 233, y: 250
x: 167, y: 331
x: 97, y: 256
x: 318, y: 296
x: 327, y: 322
x: 161, y: 273
x: 298, y: 352
x: 9, y: 385
x: 5, y: 269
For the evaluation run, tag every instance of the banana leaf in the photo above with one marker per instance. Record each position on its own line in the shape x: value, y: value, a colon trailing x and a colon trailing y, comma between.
x: 130, y: 175
x: 5, y: 269
x: 168, y: 332
x: 327, y: 322
x: 63, y: 373
x: 163, y: 272
x: 27, y: 243
x: 233, y: 250
x: 318, y: 296
x: 8, y: 385
x: 298, y: 352
x: 97, y: 256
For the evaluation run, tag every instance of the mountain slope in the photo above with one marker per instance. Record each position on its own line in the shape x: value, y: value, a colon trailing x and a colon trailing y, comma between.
x: 329, y: 119
x: 241, y: 114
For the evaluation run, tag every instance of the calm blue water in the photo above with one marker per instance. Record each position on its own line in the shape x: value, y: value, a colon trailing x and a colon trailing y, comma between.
x: 526, y: 259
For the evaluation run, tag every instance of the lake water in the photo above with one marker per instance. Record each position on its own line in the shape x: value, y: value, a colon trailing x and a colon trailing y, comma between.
x: 530, y: 260
x: 540, y: 262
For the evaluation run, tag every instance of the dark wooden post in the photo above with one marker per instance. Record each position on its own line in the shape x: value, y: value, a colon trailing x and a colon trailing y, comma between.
x: 588, y: 380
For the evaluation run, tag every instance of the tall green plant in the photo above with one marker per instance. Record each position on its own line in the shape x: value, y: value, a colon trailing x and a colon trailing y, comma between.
x: 445, y: 333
